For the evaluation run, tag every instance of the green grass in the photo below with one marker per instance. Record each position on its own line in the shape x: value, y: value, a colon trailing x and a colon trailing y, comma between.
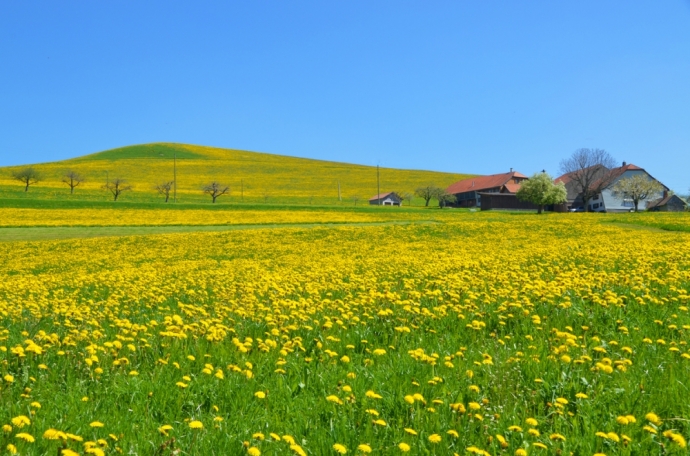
x: 144, y: 151
x: 82, y: 232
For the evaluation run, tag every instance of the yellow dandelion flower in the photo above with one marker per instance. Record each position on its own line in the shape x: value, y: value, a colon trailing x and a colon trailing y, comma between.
x: 364, y: 448
x: 253, y: 451
x: 26, y: 437
x: 341, y: 449
x: 260, y: 395
x: 196, y: 424
x: 96, y: 424
x: 653, y: 418
x: 434, y: 438
x: 404, y: 447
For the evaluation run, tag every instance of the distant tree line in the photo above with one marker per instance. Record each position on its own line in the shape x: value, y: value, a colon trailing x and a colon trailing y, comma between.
x: 117, y: 186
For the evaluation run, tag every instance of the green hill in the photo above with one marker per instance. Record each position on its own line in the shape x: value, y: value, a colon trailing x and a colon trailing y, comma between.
x: 252, y: 176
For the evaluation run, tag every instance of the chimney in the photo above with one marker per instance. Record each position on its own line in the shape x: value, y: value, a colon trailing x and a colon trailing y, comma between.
x: 472, y: 183
x: 625, y: 163
x: 511, y: 170
x: 665, y: 194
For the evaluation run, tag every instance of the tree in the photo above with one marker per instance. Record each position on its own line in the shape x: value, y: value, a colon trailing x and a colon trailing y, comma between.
x: 407, y: 196
x: 73, y: 179
x: 590, y: 171
x: 117, y: 186
x: 637, y: 188
x: 27, y: 176
x: 444, y: 198
x: 164, y: 188
x: 216, y: 189
x: 428, y: 192
x: 540, y: 190
x: 355, y: 199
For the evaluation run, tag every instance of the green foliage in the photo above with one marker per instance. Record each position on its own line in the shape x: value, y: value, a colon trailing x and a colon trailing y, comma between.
x: 540, y: 190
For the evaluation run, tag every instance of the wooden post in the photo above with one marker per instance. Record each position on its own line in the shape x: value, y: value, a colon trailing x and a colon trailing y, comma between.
x: 339, y: 197
x: 174, y: 177
x: 378, y: 186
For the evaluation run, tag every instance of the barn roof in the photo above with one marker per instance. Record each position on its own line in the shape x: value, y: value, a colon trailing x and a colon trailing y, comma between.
x: 476, y: 184
x: 381, y: 196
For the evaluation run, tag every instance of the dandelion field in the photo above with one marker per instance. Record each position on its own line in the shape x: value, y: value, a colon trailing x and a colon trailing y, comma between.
x: 481, y: 334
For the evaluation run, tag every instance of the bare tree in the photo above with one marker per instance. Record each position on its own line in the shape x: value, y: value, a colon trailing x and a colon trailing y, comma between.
x: 117, y: 186
x: 216, y: 189
x: 27, y: 176
x: 428, y: 193
x: 638, y: 188
x: 355, y: 199
x: 408, y: 197
x: 266, y: 197
x: 589, y: 172
x: 164, y: 188
x: 73, y: 179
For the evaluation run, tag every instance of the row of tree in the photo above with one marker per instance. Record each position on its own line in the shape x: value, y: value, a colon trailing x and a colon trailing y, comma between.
x: 117, y: 186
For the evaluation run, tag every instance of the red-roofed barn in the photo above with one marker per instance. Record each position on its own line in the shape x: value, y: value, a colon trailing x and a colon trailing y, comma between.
x: 467, y: 191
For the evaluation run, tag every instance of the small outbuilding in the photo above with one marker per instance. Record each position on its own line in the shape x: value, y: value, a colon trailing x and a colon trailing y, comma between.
x: 386, y: 199
x: 667, y: 203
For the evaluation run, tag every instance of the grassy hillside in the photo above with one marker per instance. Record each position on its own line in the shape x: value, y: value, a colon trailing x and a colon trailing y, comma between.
x: 253, y: 177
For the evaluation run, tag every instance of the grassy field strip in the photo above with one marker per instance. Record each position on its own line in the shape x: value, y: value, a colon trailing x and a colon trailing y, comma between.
x: 75, y: 232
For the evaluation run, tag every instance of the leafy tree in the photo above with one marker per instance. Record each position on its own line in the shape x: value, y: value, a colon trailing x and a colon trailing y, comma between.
x: 637, y: 188
x: 444, y: 198
x: 27, y: 176
x: 216, y: 189
x: 73, y: 179
x: 407, y: 196
x: 428, y: 193
x: 117, y: 186
x: 541, y: 191
x: 164, y: 188
x: 590, y: 171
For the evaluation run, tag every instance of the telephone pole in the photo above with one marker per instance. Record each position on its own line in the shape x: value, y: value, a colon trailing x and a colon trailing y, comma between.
x: 378, y: 186
x: 339, y: 197
x: 242, y: 189
x: 174, y: 177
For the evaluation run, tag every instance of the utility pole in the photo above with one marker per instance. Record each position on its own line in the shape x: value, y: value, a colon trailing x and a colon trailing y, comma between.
x: 339, y: 197
x: 107, y: 180
x: 378, y: 186
x: 242, y: 189
x: 174, y: 177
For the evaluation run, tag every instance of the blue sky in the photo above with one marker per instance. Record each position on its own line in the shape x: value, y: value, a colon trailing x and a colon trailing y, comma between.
x: 463, y: 86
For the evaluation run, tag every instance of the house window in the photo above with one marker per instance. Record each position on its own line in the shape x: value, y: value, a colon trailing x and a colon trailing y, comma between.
x: 596, y: 206
x: 628, y: 203
x: 596, y: 197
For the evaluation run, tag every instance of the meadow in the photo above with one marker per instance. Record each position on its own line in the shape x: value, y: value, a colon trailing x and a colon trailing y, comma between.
x: 253, y: 177
x: 485, y: 334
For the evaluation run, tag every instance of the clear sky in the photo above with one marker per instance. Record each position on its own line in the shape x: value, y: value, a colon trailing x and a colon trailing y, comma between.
x: 462, y: 86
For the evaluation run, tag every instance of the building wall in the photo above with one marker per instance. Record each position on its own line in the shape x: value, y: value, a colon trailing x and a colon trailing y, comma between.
x: 607, y: 202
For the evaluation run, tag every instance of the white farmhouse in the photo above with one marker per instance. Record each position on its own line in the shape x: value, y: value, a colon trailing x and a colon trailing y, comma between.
x: 608, y: 201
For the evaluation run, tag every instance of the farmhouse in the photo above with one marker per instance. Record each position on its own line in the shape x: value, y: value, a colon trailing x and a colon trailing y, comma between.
x: 386, y: 199
x: 468, y: 192
x: 607, y: 200
x: 667, y: 203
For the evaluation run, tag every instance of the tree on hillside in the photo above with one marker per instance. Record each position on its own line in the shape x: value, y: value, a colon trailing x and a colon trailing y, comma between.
x: 590, y: 171
x: 444, y: 198
x: 428, y: 193
x: 164, y: 188
x: 637, y: 188
x: 27, y: 176
x: 355, y: 198
x: 73, y: 179
x: 216, y: 189
x: 407, y: 196
x: 117, y: 186
x: 540, y: 190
